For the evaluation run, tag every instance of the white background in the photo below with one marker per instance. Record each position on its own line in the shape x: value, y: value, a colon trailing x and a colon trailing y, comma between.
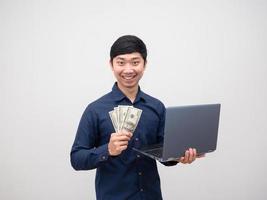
x: 54, y: 61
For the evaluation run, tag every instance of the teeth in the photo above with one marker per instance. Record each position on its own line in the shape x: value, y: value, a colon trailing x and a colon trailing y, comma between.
x: 128, y: 77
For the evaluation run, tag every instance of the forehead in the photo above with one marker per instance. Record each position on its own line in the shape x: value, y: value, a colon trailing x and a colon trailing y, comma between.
x: 129, y: 56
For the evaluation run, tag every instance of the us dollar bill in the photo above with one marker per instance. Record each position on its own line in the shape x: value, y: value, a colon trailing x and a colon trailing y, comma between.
x: 122, y: 115
x: 131, y: 120
x: 113, y: 117
x: 116, y: 110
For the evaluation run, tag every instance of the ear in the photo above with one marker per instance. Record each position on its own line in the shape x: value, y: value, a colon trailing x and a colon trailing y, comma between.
x: 145, y: 63
x: 111, y: 64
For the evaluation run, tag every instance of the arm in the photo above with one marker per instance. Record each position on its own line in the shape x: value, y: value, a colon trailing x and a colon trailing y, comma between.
x: 85, y: 153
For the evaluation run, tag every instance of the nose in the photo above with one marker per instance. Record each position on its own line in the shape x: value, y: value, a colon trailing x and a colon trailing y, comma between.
x: 128, y: 67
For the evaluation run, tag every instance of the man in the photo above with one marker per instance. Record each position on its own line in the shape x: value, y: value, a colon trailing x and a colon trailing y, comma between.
x: 121, y: 172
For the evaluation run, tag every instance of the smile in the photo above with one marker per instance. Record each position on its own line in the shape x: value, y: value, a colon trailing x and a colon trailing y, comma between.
x: 128, y: 77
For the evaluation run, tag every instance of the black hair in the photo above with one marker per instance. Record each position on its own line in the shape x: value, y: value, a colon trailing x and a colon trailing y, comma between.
x: 128, y: 44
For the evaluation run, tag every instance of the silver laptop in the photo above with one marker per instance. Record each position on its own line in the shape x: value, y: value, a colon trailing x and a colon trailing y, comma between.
x: 186, y: 127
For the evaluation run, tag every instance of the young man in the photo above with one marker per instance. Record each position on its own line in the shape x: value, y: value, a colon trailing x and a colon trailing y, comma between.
x: 121, y: 172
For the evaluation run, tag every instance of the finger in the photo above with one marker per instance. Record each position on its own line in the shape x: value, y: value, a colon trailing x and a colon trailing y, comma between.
x: 118, y: 149
x: 120, y: 136
x: 122, y: 148
x: 115, y: 136
x: 122, y: 143
x: 127, y: 133
x: 191, y: 154
x: 186, y: 156
x: 112, y: 135
x: 181, y: 160
x: 194, y: 154
x: 130, y: 134
x: 115, y: 143
x: 123, y: 138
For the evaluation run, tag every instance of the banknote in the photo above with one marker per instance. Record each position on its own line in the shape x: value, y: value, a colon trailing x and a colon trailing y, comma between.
x: 131, y: 120
x: 113, y: 117
x: 125, y: 117
x: 122, y: 114
x: 116, y: 109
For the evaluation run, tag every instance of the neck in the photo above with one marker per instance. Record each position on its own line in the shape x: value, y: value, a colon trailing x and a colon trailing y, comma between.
x: 130, y: 93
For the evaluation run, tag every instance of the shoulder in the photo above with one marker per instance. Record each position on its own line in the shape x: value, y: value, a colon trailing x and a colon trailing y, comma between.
x: 99, y: 104
x: 153, y: 101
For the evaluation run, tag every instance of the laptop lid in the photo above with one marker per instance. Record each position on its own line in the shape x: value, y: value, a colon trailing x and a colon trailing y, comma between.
x: 187, y: 127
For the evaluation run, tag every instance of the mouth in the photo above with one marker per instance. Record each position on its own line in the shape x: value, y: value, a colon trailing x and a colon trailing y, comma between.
x: 128, y: 77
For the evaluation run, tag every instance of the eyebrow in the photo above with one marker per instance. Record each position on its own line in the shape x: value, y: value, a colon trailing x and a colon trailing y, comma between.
x: 134, y: 58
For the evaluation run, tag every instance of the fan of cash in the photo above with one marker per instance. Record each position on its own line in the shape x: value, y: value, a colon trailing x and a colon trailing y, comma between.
x: 125, y: 118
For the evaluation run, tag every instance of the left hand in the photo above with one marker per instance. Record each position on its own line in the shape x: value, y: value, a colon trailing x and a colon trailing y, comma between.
x: 190, y: 156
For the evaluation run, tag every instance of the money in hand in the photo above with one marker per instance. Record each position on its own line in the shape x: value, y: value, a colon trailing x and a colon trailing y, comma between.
x: 125, y: 118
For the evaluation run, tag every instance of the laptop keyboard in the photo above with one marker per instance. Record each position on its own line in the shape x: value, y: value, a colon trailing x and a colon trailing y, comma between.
x: 156, y: 152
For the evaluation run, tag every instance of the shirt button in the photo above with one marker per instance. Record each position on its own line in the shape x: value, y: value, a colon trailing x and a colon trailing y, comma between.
x: 103, y: 157
x: 140, y: 173
x: 141, y: 190
x: 136, y: 139
x: 138, y: 156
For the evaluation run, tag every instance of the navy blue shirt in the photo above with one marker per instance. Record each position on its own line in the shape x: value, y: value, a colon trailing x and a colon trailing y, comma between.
x: 129, y: 175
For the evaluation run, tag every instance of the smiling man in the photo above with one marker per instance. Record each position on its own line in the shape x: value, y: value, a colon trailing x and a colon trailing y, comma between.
x: 121, y: 172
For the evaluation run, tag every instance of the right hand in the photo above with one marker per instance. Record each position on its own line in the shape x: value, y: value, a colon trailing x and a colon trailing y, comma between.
x: 118, y: 142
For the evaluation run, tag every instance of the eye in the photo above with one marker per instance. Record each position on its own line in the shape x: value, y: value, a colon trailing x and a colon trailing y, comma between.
x: 120, y: 63
x: 135, y: 63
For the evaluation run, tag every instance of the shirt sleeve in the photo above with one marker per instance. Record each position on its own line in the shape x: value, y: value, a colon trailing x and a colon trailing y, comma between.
x: 161, y: 133
x: 85, y: 154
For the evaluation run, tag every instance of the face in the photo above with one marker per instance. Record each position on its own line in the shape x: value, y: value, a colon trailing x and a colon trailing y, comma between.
x: 128, y: 69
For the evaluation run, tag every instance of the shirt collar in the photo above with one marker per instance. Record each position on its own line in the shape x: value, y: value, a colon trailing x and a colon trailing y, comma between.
x: 118, y: 94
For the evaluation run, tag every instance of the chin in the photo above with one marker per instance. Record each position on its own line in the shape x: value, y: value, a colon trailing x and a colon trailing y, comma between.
x: 129, y: 85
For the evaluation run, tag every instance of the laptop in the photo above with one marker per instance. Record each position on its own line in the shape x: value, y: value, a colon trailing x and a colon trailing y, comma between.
x: 194, y: 126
